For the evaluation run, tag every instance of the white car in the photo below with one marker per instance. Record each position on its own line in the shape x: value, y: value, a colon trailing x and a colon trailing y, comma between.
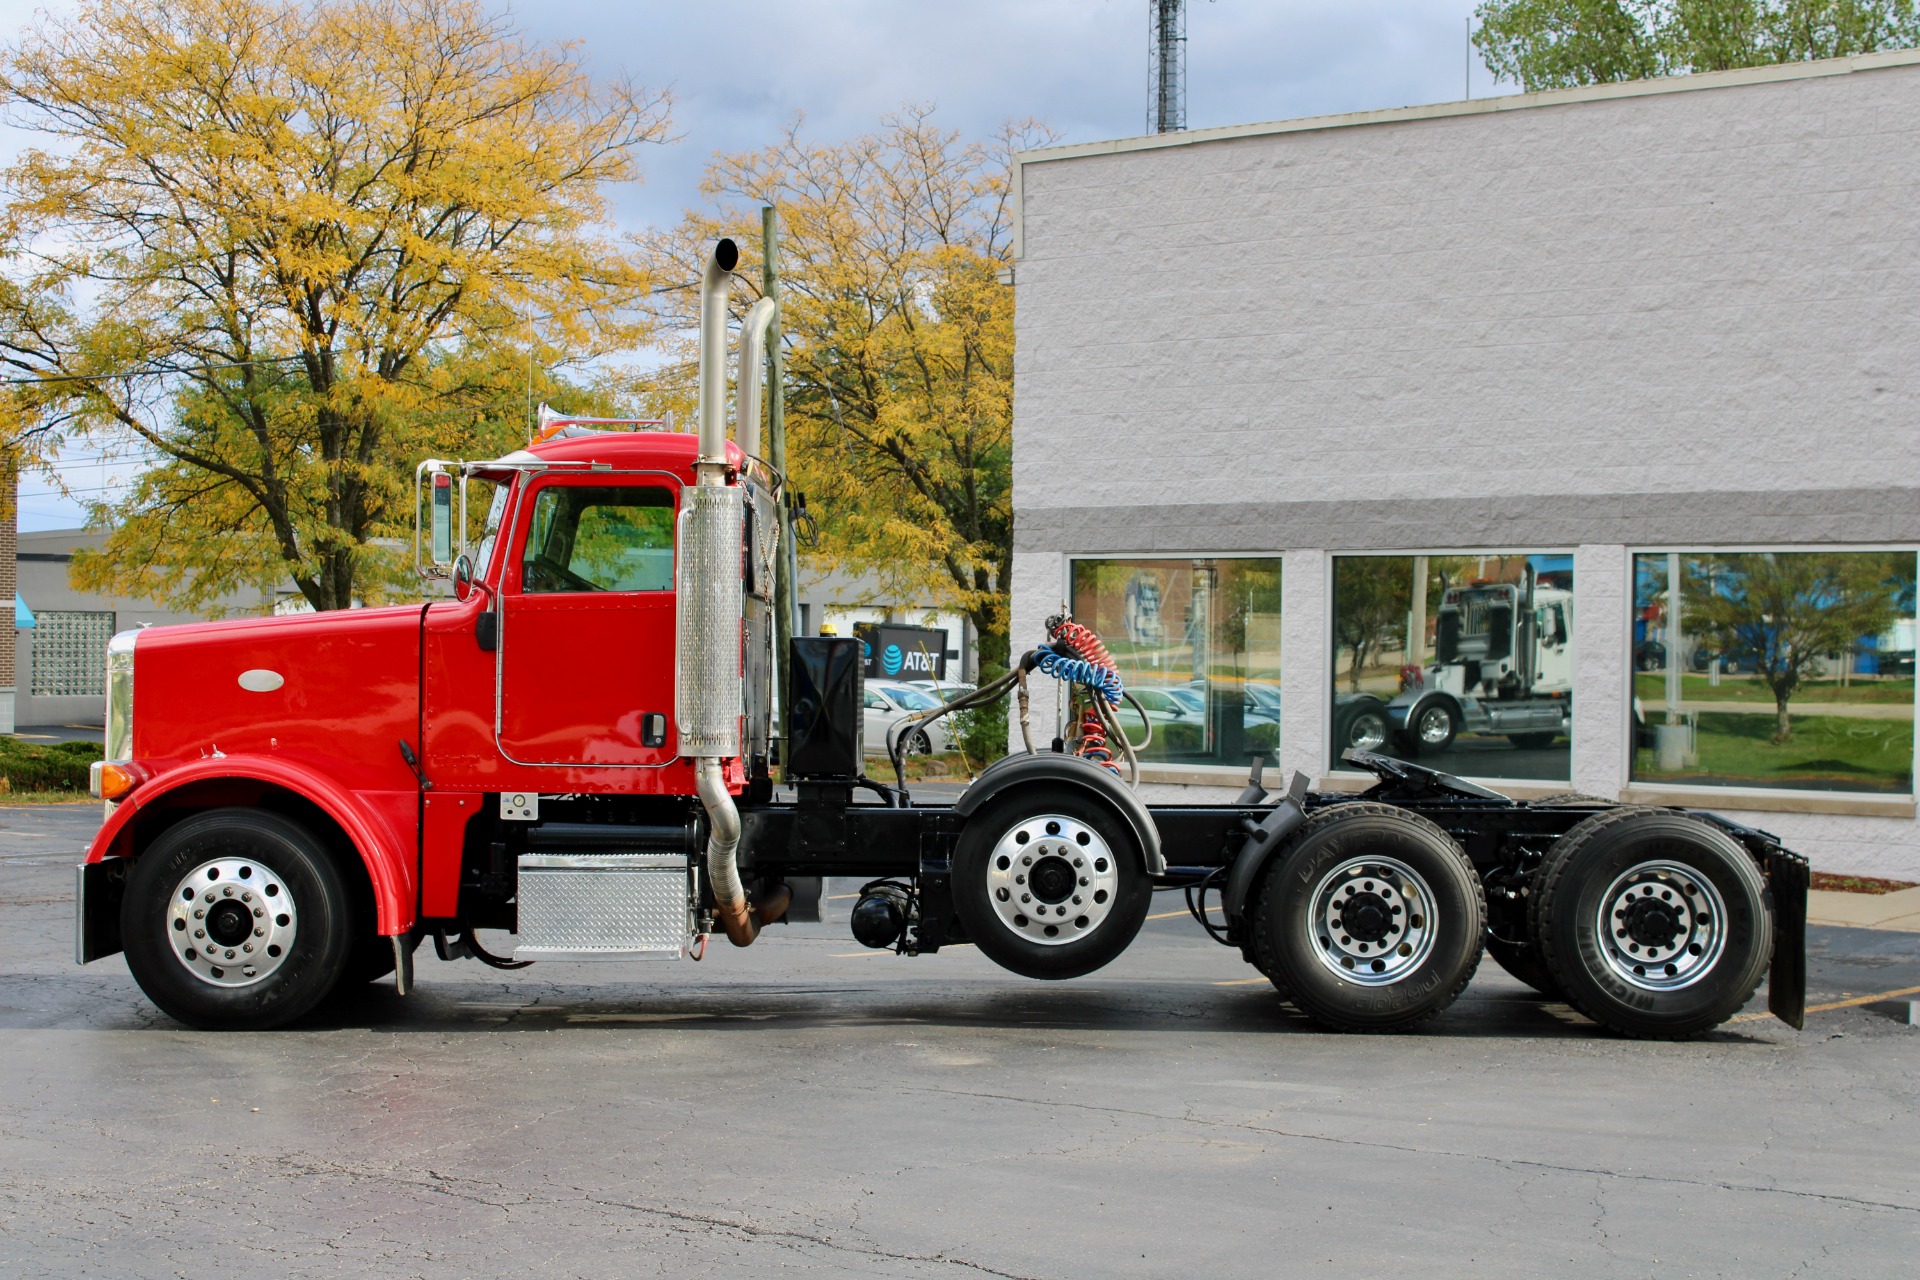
x: 945, y: 690
x: 888, y: 702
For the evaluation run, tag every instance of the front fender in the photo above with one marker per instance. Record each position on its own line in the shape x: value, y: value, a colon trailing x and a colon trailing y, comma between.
x: 1014, y: 771
x: 378, y: 823
x: 1404, y: 706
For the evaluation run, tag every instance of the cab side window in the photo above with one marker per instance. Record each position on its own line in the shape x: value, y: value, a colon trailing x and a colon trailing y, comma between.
x: 616, y: 538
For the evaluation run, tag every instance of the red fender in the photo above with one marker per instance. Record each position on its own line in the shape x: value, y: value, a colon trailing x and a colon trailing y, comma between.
x: 377, y: 822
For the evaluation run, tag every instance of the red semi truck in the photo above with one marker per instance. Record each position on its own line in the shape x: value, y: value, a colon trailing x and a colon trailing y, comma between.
x: 580, y: 748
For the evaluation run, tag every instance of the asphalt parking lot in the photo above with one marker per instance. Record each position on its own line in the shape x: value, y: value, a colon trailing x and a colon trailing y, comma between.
x: 804, y: 1107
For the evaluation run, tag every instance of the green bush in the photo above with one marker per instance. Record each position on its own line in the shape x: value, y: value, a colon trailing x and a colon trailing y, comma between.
x: 50, y: 766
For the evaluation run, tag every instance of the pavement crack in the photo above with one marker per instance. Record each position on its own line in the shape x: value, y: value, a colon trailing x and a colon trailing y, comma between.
x: 1507, y: 1162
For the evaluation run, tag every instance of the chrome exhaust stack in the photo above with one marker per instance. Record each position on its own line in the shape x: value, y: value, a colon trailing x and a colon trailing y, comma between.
x: 709, y: 690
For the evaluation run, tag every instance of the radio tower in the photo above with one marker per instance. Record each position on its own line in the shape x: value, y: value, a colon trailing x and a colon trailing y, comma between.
x: 1166, y: 66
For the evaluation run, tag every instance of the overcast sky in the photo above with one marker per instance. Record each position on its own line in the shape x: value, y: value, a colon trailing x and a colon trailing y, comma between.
x: 739, y: 69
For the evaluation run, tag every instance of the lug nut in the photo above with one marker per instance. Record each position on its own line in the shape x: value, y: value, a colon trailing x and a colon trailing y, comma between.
x: 228, y: 891
x: 259, y: 933
x: 258, y: 911
x: 247, y: 948
x: 246, y: 897
x: 199, y: 913
x: 199, y: 933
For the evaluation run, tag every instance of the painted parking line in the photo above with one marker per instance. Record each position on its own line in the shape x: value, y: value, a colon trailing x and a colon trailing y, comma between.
x: 1854, y: 1003
x: 1168, y: 915
x: 1239, y: 982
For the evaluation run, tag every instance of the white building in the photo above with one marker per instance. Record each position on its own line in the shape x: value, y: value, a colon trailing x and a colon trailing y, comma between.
x: 1597, y: 333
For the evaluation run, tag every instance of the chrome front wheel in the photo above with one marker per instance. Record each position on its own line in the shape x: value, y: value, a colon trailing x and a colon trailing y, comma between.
x: 237, y: 919
x: 232, y: 922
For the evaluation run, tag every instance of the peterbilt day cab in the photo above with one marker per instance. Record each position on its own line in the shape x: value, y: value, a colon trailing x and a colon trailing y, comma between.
x: 581, y: 746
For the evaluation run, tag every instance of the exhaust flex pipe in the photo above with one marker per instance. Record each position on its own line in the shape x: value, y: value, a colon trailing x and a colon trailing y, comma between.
x: 708, y: 687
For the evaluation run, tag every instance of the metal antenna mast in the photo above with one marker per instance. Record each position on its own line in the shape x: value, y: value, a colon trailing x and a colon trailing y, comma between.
x: 1166, y: 66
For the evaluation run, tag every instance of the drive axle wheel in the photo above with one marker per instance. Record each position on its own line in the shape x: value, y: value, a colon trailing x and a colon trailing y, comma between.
x: 1654, y: 923
x: 1049, y: 883
x: 236, y: 919
x: 1371, y: 920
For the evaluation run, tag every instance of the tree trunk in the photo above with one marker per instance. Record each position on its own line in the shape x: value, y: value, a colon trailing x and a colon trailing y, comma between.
x: 1782, y: 730
x: 991, y: 633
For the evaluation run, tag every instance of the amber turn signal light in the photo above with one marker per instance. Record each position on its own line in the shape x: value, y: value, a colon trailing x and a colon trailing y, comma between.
x: 111, y: 781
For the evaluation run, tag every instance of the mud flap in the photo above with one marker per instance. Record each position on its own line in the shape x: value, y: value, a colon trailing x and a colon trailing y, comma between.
x: 1788, y: 877
x: 98, y: 888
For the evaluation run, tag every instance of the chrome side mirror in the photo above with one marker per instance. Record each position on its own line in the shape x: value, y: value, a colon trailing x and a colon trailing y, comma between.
x: 462, y: 578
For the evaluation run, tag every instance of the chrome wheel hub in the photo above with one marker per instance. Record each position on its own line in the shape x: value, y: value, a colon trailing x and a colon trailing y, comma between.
x: 1369, y: 733
x: 1433, y: 725
x: 1373, y: 920
x: 231, y: 922
x: 1661, y: 926
x: 1052, y: 879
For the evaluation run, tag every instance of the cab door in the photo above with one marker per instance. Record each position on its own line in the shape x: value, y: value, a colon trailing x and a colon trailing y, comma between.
x: 586, y: 646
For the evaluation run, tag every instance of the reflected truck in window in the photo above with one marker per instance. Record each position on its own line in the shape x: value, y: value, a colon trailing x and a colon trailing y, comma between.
x: 1503, y: 665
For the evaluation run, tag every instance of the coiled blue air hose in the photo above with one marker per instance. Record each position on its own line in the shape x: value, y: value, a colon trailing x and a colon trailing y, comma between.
x: 1080, y: 671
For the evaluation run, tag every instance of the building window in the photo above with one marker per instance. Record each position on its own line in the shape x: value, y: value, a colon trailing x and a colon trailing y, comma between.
x: 1197, y: 643
x: 70, y: 653
x: 1464, y: 663
x: 1790, y: 670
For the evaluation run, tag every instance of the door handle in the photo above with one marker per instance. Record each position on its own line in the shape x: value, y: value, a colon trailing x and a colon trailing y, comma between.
x: 487, y: 631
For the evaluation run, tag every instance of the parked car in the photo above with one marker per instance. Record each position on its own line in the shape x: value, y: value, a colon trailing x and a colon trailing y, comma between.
x: 944, y: 690
x: 888, y: 702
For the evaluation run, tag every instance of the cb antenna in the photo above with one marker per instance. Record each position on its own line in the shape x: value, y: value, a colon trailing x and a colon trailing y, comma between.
x: 1166, y: 66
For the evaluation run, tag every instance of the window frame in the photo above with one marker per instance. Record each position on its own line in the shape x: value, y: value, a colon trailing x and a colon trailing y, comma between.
x: 1763, y: 799
x: 525, y: 508
x: 1198, y: 773
x: 1337, y: 776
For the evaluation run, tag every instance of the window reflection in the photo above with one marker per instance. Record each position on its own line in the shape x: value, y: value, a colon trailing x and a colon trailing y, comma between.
x: 1464, y: 663
x: 1792, y: 670
x: 1197, y: 643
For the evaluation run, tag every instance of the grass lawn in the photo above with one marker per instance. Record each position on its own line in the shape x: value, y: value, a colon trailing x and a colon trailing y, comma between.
x: 1652, y: 688
x: 1827, y: 753
x: 11, y: 798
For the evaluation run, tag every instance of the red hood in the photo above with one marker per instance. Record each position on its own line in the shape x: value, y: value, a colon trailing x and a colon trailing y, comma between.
x: 337, y: 688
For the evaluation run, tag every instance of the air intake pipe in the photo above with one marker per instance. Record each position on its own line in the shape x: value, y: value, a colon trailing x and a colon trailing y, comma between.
x: 708, y: 688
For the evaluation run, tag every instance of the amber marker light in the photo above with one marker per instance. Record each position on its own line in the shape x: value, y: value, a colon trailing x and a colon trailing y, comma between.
x: 111, y: 780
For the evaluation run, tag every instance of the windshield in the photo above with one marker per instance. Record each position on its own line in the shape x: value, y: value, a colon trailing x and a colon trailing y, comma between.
x: 496, y: 512
x: 913, y: 699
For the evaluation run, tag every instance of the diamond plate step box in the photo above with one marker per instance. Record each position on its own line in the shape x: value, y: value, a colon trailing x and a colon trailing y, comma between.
x: 604, y: 904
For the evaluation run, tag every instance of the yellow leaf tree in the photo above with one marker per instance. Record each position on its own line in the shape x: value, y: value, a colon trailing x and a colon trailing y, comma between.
x: 282, y: 249
x: 898, y: 335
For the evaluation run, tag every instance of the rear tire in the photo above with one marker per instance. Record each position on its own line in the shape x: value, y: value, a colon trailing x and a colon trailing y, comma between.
x: 1654, y: 923
x: 1371, y: 920
x: 236, y: 919
x: 1050, y: 882
x: 1362, y: 728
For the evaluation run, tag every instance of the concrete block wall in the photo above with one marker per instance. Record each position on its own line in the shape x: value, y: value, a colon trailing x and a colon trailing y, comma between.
x: 1659, y: 316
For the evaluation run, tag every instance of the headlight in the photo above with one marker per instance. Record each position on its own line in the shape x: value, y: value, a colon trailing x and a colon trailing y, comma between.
x: 119, y: 736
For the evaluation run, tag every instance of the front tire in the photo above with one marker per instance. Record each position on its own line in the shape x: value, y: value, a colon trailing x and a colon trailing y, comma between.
x: 1371, y: 920
x: 1432, y: 727
x: 1654, y: 923
x: 1050, y: 882
x: 236, y: 919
